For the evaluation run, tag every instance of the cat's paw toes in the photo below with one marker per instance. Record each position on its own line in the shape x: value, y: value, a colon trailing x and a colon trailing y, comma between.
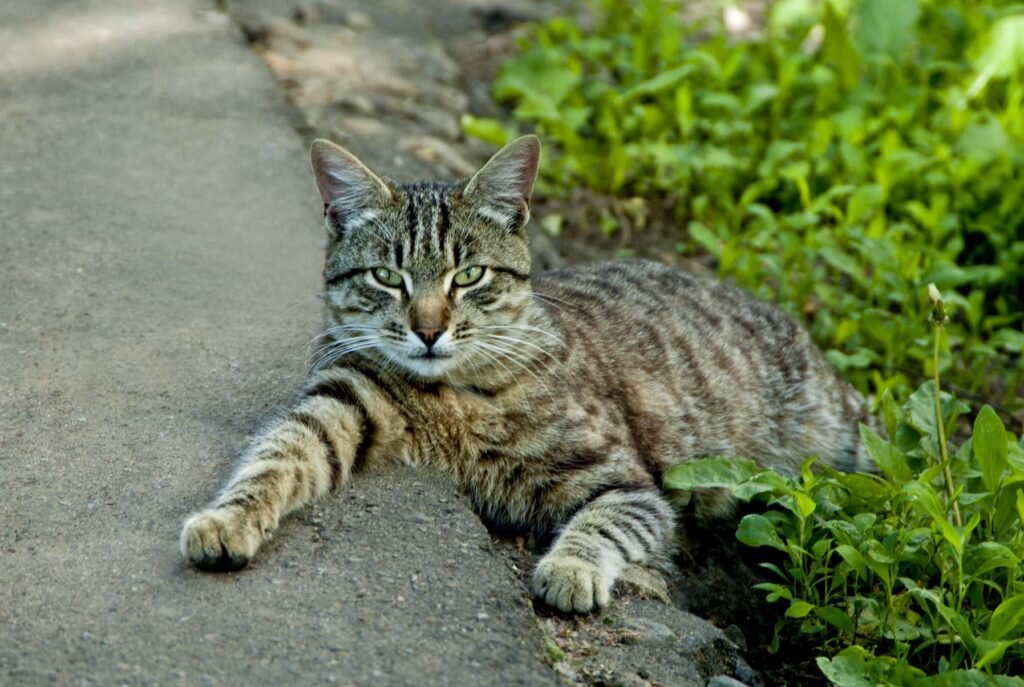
x: 571, y: 584
x: 213, y: 540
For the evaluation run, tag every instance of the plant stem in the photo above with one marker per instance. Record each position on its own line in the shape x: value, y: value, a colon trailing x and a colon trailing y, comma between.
x: 947, y: 472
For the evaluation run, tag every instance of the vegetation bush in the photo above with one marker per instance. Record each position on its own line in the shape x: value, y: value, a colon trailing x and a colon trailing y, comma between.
x: 855, y: 151
x: 849, y: 154
x: 910, y: 577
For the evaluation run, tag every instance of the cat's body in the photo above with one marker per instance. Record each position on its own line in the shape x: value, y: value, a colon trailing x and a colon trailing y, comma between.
x: 556, y: 402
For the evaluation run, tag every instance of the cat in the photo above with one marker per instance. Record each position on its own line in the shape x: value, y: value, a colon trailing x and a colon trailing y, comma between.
x: 556, y: 400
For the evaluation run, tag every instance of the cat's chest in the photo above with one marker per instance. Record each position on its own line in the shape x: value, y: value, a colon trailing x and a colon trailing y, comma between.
x: 475, y: 435
x: 452, y: 427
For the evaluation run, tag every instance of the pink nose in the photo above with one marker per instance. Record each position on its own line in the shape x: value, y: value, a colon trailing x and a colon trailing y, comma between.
x: 429, y: 335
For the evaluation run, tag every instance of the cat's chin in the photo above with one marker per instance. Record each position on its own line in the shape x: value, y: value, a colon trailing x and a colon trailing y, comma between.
x: 429, y: 367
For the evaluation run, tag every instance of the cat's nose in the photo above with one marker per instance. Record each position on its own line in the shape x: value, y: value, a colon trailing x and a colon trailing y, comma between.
x: 429, y: 335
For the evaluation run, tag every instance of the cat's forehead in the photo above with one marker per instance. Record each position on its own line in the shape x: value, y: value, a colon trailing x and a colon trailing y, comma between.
x: 426, y: 228
x: 431, y: 190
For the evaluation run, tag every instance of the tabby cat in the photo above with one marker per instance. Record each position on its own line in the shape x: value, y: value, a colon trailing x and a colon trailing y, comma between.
x: 556, y: 400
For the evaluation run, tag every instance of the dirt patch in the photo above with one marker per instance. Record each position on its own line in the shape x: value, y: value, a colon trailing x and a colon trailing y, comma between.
x: 641, y: 640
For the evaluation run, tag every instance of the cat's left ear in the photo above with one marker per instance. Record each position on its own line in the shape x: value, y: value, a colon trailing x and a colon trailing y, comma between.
x: 501, y: 190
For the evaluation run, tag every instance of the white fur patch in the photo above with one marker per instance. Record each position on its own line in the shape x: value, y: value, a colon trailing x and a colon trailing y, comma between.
x: 501, y: 218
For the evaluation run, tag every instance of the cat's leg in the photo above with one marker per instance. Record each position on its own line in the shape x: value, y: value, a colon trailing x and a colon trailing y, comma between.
x: 311, y: 450
x: 618, y: 528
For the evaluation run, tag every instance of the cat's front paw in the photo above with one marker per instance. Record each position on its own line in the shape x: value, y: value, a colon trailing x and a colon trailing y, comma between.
x: 219, y: 541
x: 571, y: 584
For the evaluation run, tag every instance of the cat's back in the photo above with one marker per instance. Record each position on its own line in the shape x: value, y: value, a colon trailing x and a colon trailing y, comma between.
x: 650, y: 308
x: 700, y: 367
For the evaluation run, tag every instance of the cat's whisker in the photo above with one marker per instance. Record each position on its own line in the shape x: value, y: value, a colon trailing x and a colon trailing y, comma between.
x: 554, y: 300
x: 526, y: 328
x: 333, y: 335
x: 544, y: 365
x: 493, y: 357
x: 521, y: 342
x: 343, y: 343
x: 335, y: 353
x: 510, y: 355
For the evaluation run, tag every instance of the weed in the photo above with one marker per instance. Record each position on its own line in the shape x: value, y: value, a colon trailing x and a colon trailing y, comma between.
x: 914, y: 572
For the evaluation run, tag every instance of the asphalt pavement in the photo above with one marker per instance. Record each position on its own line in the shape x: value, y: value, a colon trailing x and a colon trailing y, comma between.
x: 160, y: 255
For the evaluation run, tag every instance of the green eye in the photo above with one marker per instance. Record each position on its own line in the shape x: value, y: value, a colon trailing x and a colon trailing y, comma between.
x: 387, y: 277
x: 469, y: 276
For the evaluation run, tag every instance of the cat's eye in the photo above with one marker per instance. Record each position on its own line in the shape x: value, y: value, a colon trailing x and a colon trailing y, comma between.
x: 387, y: 277
x: 469, y: 276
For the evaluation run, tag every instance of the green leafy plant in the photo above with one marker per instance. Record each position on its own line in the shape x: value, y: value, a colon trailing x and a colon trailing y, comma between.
x: 856, y: 151
x: 912, y: 576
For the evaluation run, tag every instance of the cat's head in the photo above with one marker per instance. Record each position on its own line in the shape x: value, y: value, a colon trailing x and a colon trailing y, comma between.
x: 430, y: 278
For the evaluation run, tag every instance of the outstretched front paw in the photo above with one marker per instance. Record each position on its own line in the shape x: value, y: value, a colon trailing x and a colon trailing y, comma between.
x: 218, y: 540
x: 571, y: 584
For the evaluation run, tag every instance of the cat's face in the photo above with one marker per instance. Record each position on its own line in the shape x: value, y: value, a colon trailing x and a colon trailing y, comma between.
x: 431, y: 279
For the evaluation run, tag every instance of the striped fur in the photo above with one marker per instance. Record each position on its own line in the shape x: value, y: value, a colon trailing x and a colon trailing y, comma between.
x: 556, y: 400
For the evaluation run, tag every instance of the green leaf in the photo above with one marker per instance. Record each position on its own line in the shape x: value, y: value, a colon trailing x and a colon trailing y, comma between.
x: 1007, y: 617
x: 885, y: 26
x: 757, y: 530
x: 887, y: 457
x: 486, y: 129
x: 837, y: 47
x: 956, y: 622
x: 767, y: 481
x: 775, y: 591
x: 662, y: 82
x: 799, y: 609
x: 786, y: 13
x: 520, y: 77
x: 990, y: 446
x: 919, y: 412
x: 843, y: 362
x: 992, y: 652
x: 836, y: 618
x: 854, y: 559
x: 1001, y: 54
x: 805, y: 504
x: 705, y: 238
x: 987, y: 556
x: 710, y: 473
x: 849, y: 668
x: 864, y: 203
x: 967, y: 678
x: 924, y: 496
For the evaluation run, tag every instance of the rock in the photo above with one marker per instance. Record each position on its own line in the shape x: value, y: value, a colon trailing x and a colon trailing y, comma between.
x: 649, y: 632
x: 725, y: 681
x: 629, y: 679
x: 646, y: 642
x: 436, y: 151
x: 644, y: 583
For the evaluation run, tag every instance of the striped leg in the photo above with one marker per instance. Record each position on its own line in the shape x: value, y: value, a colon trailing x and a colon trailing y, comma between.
x: 311, y: 451
x: 617, y: 528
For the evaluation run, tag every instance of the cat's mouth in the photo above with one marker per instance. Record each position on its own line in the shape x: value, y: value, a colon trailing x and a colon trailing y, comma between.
x: 430, y: 364
x: 432, y: 355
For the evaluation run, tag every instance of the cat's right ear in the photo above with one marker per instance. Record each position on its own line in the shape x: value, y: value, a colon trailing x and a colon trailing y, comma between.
x: 350, y: 191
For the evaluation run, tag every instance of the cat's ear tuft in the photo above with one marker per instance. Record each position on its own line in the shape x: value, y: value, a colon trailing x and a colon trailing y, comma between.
x: 501, y: 190
x: 349, y: 189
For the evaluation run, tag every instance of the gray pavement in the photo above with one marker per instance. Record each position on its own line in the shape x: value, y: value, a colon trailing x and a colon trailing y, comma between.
x: 160, y: 248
